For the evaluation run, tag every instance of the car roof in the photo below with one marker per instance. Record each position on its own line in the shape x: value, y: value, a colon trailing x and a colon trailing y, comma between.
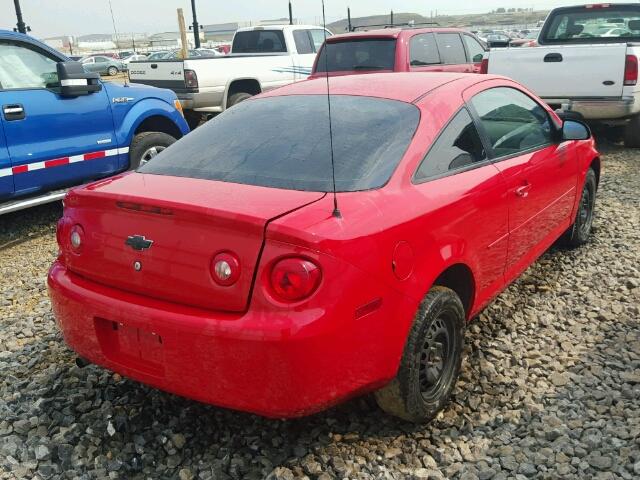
x: 278, y: 27
x: 402, y: 86
x: 392, y: 32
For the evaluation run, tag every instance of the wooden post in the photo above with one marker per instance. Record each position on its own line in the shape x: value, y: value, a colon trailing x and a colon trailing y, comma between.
x: 184, y: 52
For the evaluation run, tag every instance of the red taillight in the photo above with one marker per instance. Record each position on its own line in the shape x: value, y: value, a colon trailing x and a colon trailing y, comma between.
x: 631, y: 70
x: 294, y: 279
x: 76, y: 238
x: 225, y: 269
x: 484, y: 66
x: 190, y: 79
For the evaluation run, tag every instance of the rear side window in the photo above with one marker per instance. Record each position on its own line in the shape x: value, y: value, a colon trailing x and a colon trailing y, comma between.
x: 259, y: 41
x: 424, y: 50
x: 451, y: 49
x: 303, y: 42
x: 246, y: 145
x: 458, y: 147
x: 513, y: 122
x: 317, y: 38
x: 354, y: 55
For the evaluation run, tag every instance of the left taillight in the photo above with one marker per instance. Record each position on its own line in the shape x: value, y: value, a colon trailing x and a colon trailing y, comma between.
x: 190, y: 79
x: 294, y: 279
x: 484, y: 66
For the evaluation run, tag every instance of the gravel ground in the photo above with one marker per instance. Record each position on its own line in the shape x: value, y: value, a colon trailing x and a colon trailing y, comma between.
x: 550, y: 386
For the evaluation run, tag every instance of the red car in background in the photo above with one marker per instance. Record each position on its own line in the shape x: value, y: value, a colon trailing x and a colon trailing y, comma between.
x: 401, y: 49
x: 222, y: 271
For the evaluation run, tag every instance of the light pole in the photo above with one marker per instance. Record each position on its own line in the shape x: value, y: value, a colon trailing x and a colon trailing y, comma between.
x: 22, y: 27
x: 196, y: 27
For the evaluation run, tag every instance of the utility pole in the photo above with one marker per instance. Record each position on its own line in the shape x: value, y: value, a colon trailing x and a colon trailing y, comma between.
x: 349, y: 26
x: 22, y: 27
x: 196, y: 27
x: 290, y: 14
x: 184, y: 51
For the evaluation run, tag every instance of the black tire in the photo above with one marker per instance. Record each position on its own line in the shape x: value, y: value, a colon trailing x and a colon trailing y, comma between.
x: 578, y: 234
x: 236, y: 98
x: 144, y: 142
x: 194, y: 119
x: 632, y: 133
x: 418, y: 393
x: 112, y: 71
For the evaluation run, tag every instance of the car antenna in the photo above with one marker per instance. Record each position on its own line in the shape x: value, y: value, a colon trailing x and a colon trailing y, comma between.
x: 115, y: 32
x: 336, y: 210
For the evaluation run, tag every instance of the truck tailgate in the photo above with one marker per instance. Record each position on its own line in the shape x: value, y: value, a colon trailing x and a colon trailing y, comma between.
x: 162, y: 73
x: 564, y: 71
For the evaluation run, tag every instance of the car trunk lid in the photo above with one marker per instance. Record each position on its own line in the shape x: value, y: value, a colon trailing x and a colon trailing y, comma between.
x: 188, y: 222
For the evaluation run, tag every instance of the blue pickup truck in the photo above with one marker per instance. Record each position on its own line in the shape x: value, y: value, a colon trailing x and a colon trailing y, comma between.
x: 61, y: 126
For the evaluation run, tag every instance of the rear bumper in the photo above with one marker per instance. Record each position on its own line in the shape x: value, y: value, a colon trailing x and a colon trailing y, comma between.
x: 290, y: 365
x: 203, y: 101
x: 599, y: 108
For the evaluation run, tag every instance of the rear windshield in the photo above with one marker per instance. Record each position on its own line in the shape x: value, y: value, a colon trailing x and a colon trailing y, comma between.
x: 259, y: 41
x: 283, y: 142
x: 353, y: 55
x: 614, y: 23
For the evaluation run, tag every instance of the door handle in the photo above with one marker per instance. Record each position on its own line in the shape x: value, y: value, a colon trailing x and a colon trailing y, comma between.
x: 154, y: 65
x: 523, y: 191
x: 13, y: 112
x: 553, y: 57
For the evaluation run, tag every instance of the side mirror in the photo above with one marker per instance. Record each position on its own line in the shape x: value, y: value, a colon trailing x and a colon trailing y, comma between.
x: 478, y: 58
x: 76, y: 81
x: 575, y: 130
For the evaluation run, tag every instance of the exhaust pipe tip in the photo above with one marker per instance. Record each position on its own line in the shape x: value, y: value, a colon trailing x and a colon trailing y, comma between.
x: 81, y: 362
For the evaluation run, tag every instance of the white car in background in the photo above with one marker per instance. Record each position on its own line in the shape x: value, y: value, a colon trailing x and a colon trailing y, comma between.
x: 133, y: 58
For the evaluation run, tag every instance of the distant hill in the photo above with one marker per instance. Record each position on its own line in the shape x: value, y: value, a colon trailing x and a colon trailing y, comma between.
x: 474, y: 20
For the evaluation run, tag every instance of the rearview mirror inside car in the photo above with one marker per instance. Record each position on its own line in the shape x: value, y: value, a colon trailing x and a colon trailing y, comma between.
x: 575, y: 130
x: 76, y: 81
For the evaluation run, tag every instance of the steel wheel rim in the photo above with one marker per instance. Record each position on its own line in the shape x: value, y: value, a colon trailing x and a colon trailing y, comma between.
x: 585, y: 214
x: 112, y: 71
x: 150, y: 153
x: 436, y: 362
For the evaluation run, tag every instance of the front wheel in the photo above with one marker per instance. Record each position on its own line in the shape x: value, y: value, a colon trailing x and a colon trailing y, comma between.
x: 632, y: 133
x: 112, y: 71
x: 578, y: 234
x: 431, y: 360
x: 147, y: 145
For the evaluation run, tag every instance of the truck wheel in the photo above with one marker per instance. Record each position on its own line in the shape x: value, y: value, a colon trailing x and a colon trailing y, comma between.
x: 578, y: 234
x: 431, y: 360
x: 112, y: 71
x: 236, y: 98
x: 194, y: 119
x: 632, y: 133
x: 147, y: 145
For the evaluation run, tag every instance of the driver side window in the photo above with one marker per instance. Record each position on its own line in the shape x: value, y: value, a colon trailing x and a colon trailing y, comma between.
x: 24, y: 67
x: 512, y: 121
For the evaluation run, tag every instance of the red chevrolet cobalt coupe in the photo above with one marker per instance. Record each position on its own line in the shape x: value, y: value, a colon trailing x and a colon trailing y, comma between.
x: 221, y: 271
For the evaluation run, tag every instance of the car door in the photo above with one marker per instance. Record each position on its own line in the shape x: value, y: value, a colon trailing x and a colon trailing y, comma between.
x: 465, y: 194
x: 475, y: 52
x: 307, y: 43
x: 6, y: 172
x: 452, y: 52
x: 52, y: 141
x: 89, y: 64
x: 102, y: 64
x: 540, y: 173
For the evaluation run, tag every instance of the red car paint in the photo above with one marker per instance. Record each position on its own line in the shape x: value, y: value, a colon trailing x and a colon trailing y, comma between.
x: 171, y: 326
x: 403, y: 38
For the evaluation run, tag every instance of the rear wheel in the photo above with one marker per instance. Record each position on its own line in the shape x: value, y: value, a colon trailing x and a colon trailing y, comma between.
x: 194, y: 119
x: 236, y: 98
x: 112, y: 71
x: 147, y: 145
x: 578, y: 234
x: 431, y: 360
x: 632, y: 133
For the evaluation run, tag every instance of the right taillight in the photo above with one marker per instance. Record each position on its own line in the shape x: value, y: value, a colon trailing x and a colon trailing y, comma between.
x: 294, y: 279
x: 631, y: 70
x: 484, y: 66
x: 190, y: 79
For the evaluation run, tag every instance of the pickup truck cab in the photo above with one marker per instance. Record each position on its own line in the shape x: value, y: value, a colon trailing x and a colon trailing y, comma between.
x: 60, y: 126
x: 402, y: 49
x: 586, y: 62
x: 261, y: 59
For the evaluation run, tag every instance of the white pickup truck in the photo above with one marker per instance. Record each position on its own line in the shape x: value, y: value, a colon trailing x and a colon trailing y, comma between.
x: 261, y: 58
x: 587, y: 62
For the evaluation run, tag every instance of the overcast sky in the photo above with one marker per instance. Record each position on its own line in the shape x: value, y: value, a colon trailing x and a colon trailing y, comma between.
x: 79, y: 17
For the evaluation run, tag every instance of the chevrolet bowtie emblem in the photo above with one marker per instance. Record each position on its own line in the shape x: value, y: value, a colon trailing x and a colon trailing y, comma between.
x: 138, y: 242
